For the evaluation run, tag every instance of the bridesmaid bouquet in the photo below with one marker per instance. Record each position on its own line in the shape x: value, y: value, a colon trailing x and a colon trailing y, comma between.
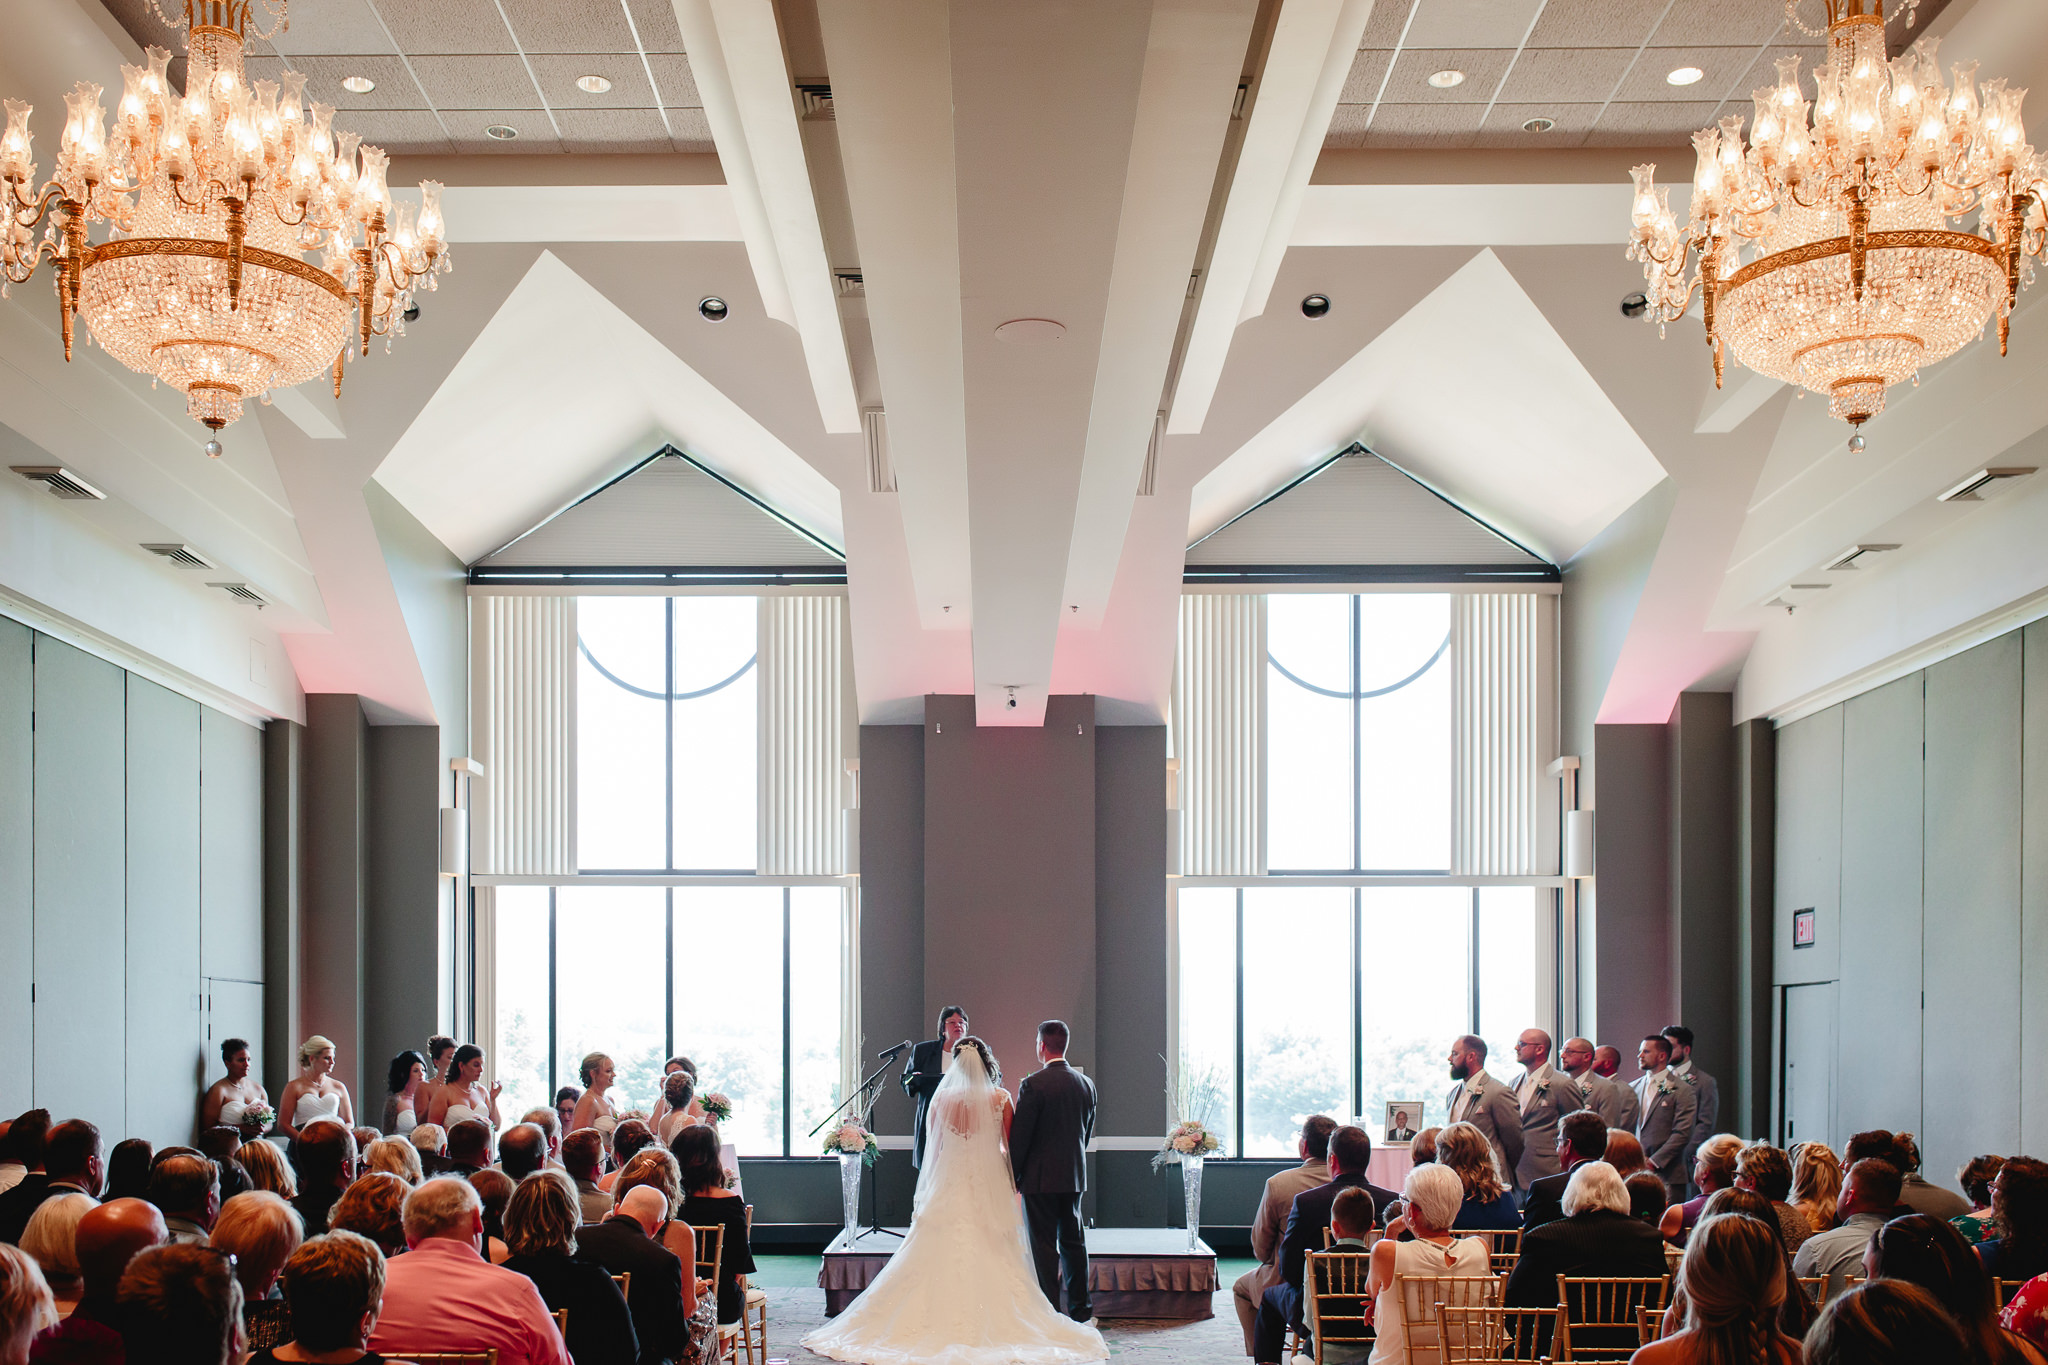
x: 850, y: 1139
x: 716, y: 1106
x: 259, y: 1116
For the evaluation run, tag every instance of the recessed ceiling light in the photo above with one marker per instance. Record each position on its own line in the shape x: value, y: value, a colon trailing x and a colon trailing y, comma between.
x: 501, y: 132
x: 358, y: 85
x: 1685, y: 75
x: 1444, y: 80
x: 593, y: 85
x: 1539, y: 125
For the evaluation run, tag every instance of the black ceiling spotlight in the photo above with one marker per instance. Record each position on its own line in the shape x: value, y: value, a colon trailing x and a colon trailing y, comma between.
x: 412, y: 313
x: 1634, y: 305
x: 713, y: 309
x: 1315, y: 305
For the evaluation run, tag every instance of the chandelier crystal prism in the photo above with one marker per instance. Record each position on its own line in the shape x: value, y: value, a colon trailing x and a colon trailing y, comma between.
x: 243, y: 232
x: 1845, y: 253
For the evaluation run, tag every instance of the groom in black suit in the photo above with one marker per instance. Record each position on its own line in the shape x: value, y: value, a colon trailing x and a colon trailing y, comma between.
x: 926, y: 1068
x: 1049, y: 1154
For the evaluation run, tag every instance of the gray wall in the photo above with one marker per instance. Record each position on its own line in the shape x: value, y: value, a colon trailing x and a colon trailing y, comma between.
x: 130, y: 840
x: 1903, y: 818
x: 1635, y: 991
x: 336, y: 796
x: 404, y: 899
x: 1703, y: 874
x: 1602, y: 585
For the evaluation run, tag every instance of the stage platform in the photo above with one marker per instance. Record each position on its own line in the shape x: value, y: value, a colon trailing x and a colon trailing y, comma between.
x: 1132, y: 1272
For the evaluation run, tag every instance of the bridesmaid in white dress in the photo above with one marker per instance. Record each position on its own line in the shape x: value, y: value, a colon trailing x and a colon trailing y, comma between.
x: 402, y: 1107
x: 314, y: 1093
x: 464, y: 1096
x: 229, y: 1099
x: 595, y: 1109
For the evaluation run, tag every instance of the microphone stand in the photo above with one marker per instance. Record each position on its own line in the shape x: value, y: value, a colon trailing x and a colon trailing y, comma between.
x: 866, y: 1095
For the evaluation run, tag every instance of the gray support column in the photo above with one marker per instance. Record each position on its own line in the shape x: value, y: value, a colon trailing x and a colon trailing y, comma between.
x: 336, y: 793
x: 892, y: 1003
x: 403, y: 897
x: 1703, y: 881
x: 284, y: 830
x: 1748, y: 1094
x: 1130, y: 965
x: 1634, y: 953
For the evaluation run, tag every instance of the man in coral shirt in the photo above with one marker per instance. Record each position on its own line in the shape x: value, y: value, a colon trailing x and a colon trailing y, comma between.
x: 442, y: 1295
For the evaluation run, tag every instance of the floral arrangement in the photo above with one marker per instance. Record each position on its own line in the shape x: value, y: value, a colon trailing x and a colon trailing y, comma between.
x: 716, y: 1106
x: 850, y: 1139
x: 1188, y: 1138
x: 258, y: 1116
x: 1192, y: 1093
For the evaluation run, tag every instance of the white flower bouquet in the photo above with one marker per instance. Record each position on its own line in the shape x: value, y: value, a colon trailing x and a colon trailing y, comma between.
x: 1189, y: 1138
x: 259, y: 1116
x: 850, y: 1139
x: 716, y: 1106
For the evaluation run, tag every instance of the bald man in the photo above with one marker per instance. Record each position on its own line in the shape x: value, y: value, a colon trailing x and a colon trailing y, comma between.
x: 1545, y: 1095
x: 108, y: 1237
x: 1609, y: 1099
x: 1607, y: 1064
x: 624, y: 1243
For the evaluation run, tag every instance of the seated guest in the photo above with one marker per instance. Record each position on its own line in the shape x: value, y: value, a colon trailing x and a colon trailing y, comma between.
x: 128, y: 1169
x: 334, y: 1287
x: 108, y: 1237
x: 364, y: 1136
x: 187, y: 1189
x: 26, y: 1307
x: 1767, y: 1171
x: 181, y: 1305
x: 1422, y: 1150
x: 627, y: 1141
x: 406, y: 1093
x: 1313, y: 1146
x: 565, y: 1106
x: 550, y: 1125
x: 442, y: 1295
x: 495, y: 1189
x: 1431, y: 1199
x: 1884, y: 1322
x: 374, y: 1207
x: 1352, y: 1216
x: 1646, y: 1205
x: 395, y: 1156
x: 71, y: 1165
x: 541, y: 1224
x: 52, y: 1238
x: 1918, y: 1193
x: 582, y: 1151
x: 324, y: 1154
x: 1581, y: 1137
x: 469, y: 1148
x: 1878, y: 1144
x: 21, y: 1148
x: 1713, y: 1168
x: 261, y: 1232
x: 2019, y: 1203
x: 674, y: 1115
x: 1734, y: 1284
x: 1924, y: 1250
x: 1625, y: 1152
x: 267, y: 1169
x: 1975, y: 1177
x: 706, y: 1201
x: 2027, y: 1314
x: 1796, y: 1312
x: 658, y: 1168
x: 1816, y: 1182
x: 1869, y: 1194
x: 1281, y: 1305
x: 221, y: 1146
x: 1488, y: 1204
x: 1596, y: 1238
x: 431, y: 1141
x: 522, y: 1151
x: 623, y: 1244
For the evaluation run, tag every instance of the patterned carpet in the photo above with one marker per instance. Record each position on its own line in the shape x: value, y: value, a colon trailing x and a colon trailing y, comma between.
x: 796, y: 1305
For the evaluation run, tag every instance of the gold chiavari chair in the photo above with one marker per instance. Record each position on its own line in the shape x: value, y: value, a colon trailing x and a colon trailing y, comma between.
x: 1338, y: 1310
x: 2008, y: 1290
x: 754, y: 1315
x: 1421, y: 1295
x: 561, y: 1316
x: 710, y: 1254
x: 1602, y: 1315
x: 1816, y: 1287
x: 1503, y: 1245
x: 1497, y: 1336
x: 624, y: 1280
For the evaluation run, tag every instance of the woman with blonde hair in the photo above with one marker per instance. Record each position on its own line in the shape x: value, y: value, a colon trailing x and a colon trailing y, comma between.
x: 52, y: 1238
x: 261, y: 1232
x: 1713, y: 1168
x: 595, y: 1108
x: 314, y: 1093
x: 1816, y: 1183
x: 657, y: 1167
x: 26, y: 1306
x: 1733, y: 1281
x: 268, y: 1169
x: 1465, y: 1150
x: 396, y: 1155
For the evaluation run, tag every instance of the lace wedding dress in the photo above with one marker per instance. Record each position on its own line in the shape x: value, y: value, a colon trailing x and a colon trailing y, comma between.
x: 960, y: 1290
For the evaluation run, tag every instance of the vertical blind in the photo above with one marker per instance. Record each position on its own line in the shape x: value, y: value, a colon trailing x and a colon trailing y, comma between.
x: 802, y: 736
x: 1502, y: 735
x: 1218, y: 734
x: 524, y: 678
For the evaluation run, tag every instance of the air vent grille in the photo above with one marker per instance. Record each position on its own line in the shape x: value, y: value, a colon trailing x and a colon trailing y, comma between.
x: 242, y: 592
x: 1973, y: 488
x: 850, y: 283
x: 814, y: 98
x: 874, y: 424
x: 60, y: 481
x: 184, y: 556
x: 1852, y: 557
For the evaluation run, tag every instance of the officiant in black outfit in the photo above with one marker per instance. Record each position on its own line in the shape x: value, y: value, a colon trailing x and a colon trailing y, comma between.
x: 926, y: 1068
x: 1049, y: 1153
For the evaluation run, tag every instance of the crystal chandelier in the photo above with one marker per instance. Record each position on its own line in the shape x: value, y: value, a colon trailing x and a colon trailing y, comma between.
x: 1835, y: 255
x: 214, y: 201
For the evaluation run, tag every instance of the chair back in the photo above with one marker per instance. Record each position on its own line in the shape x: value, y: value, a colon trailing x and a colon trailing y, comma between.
x: 1371, y: 1239
x: 489, y: 1357
x: 1421, y: 1295
x: 561, y: 1316
x: 2009, y: 1290
x: 1503, y: 1245
x: 1496, y: 1336
x: 710, y: 1251
x: 1338, y: 1309
x: 624, y: 1280
x: 1602, y: 1316
x: 1816, y: 1287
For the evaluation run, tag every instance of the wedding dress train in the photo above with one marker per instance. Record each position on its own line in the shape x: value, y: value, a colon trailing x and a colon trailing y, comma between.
x: 961, y: 1289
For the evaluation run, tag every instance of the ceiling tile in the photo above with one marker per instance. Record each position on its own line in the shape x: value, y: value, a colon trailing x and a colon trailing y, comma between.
x: 447, y: 26
x: 1425, y: 125
x: 692, y: 130
x: 673, y: 83
x: 612, y: 130
x: 1503, y: 127
x: 345, y: 27
x: 1598, y: 23
x: 1472, y: 23
x: 1724, y: 67
x: 1368, y: 69
x: 1348, y: 126
x: 396, y: 89
x: 1483, y: 69
x: 1653, y: 124
x: 477, y: 82
x: 1730, y: 23
x: 467, y: 126
x: 552, y: 26
x: 403, y: 132
x: 557, y: 75
x: 655, y: 20
x: 1585, y: 75
x: 1383, y: 30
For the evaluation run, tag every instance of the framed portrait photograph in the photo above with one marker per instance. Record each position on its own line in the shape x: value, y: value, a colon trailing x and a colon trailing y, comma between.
x: 1403, y: 1118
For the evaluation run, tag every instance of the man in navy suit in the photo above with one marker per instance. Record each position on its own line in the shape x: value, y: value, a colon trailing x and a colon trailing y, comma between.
x: 1350, y: 1153
x: 1049, y: 1153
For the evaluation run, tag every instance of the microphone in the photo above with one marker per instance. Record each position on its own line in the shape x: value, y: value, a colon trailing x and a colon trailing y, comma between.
x: 891, y: 1052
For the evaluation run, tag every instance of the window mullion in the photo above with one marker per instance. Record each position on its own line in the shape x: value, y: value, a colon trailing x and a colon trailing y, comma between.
x: 1239, y: 1088
x: 788, y: 1091
x: 669, y: 979
x: 1472, y: 962
x: 1357, y: 744
x: 1357, y: 1000
x: 554, y: 1042
x: 668, y: 729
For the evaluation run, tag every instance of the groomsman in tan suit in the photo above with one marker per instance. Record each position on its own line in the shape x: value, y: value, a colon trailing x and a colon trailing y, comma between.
x: 1271, y: 1222
x: 1486, y: 1104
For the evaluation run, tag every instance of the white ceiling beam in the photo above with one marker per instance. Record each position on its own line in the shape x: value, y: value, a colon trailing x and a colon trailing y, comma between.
x: 313, y: 409
x: 1193, y: 56
x: 735, y: 49
x: 1292, y: 106
x: 589, y: 213
x: 1741, y: 394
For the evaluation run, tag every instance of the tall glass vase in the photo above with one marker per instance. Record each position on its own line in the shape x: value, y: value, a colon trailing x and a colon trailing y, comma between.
x: 849, y: 1193
x: 1191, y: 1185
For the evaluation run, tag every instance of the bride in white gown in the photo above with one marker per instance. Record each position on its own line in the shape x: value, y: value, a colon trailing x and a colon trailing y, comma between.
x: 961, y: 1290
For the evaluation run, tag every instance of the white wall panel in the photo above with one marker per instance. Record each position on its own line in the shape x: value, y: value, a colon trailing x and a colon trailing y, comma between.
x: 802, y: 679
x: 1218, y: 733
x: 1503, y: 734
x: 17, y: 865
x: 230, y: 847
x: 523, y: 717
x: 1809, y: 846
x: 166, y: 1064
